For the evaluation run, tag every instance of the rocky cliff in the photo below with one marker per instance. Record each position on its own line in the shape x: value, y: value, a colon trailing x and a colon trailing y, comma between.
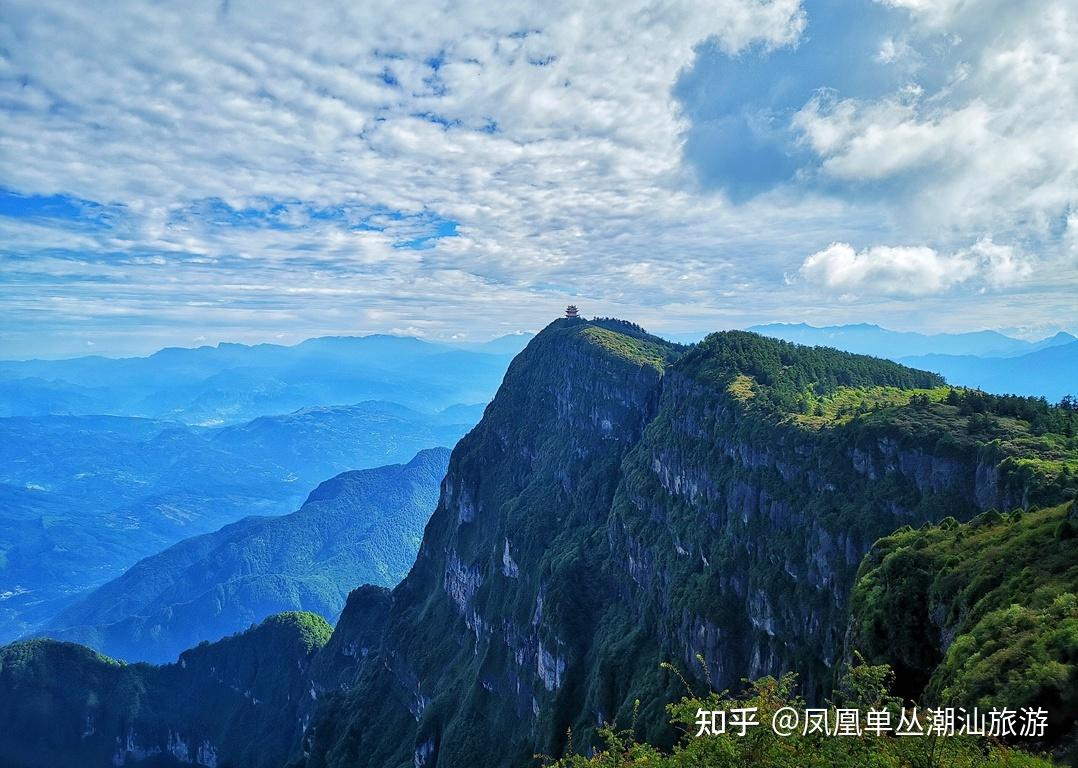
x: 622, y: 504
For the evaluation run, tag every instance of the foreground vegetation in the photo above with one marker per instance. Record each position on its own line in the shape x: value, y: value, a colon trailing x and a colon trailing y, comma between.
x: 864, y: 688
x: 989, y: 612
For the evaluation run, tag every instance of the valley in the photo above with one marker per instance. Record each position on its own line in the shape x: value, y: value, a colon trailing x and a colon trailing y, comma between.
x: 86, y: 497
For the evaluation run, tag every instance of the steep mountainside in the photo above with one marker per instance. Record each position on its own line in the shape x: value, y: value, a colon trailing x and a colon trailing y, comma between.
x: 84, y: 498
x: 989, y: 612
x: 234, y: 702
x: 481, y: 630
x: 626, y: 502
x: 615, y: 509
x: 361, y: 527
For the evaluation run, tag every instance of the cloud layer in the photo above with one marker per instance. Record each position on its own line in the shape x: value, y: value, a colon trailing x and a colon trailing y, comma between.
x: 248, y: 170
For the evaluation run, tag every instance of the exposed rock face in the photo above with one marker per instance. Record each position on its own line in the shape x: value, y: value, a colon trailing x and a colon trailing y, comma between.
x: 612, y: 511
x: 744, y: 535
x: 355, y: 640
x: 539, y: 474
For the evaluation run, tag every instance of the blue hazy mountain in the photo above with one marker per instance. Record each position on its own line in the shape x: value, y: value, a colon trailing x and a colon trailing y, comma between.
x: 83, y: 498
x: 510, y: 344
x: 868, y: 339
x: 361, y: 527
x: 1051, y: 372
x: 232, y: 383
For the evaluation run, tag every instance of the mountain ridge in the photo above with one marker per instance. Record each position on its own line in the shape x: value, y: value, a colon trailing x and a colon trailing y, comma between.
x: 360, y: 527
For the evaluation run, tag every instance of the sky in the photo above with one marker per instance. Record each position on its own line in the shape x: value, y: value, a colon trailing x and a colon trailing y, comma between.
x: 260, y: 171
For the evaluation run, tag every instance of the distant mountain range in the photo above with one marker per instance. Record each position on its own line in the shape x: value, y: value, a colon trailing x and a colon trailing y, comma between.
x: 361, y: 527
x: 986, y: 360
x: 868, y: 339
x: 106, y: 461
x: 233, y: 383
x: 1051, y: 372
x: 509, y: 344
x: 83, y: 498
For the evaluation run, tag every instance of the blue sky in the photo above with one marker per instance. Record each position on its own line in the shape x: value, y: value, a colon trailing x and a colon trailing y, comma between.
x: 250, y: 171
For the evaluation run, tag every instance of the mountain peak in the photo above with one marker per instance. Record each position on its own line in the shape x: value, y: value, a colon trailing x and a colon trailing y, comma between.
x: 620, y: 338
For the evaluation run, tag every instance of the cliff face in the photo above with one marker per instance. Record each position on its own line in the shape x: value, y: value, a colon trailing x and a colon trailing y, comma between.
x: 490, y: 629
x: 626, y: 502
x: 615, y: 509
x: 739, y: 538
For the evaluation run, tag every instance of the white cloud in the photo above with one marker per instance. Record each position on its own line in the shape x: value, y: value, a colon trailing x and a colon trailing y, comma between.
x: 884, y: 270
x: 868, y: 142
x: 934, y: 12
x: 893, y: 49
x: 994, y: 147
x: 1000, y: 265
x: 911, y: 270
x: 149, y: 107
x: 548, y: 132
x: 1070, y: 235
